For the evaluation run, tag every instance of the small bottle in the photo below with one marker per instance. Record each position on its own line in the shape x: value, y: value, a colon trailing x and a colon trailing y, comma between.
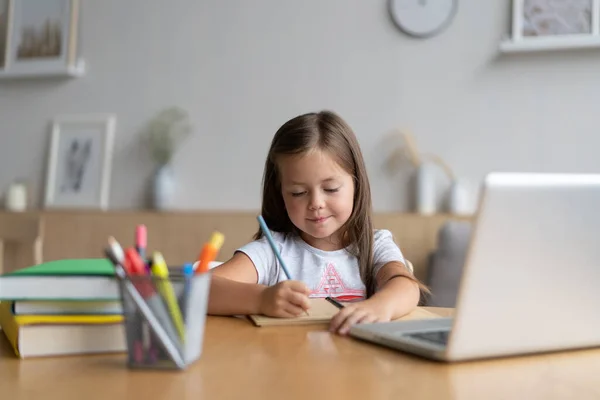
x: 426, y: 196
x: 459, y: 198
x: 16, y: 197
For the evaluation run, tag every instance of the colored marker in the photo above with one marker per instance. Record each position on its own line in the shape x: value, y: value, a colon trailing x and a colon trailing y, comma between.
x: 141, y: 244
x: 188, y: 274
x: 115, y: 253
x: 209, y: 252
x: 141, y: 241
x: 160, y: 270
x: 134, y: 266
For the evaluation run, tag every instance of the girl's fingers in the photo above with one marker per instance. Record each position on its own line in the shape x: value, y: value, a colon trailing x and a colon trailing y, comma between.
x: 339, y: 318
x: 351, y: 320
x: 367, y: 319
x: 293, y: 310
x: 346, y: 318
x: 298, y: 286
x: 300, y: 300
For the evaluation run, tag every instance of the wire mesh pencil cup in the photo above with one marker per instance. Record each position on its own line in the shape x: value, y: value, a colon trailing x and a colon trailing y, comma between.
x: 164, y: 319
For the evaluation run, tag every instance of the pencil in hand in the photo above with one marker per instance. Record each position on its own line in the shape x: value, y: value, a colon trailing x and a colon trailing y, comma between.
x: 267, y: 233
x: 334, y: 302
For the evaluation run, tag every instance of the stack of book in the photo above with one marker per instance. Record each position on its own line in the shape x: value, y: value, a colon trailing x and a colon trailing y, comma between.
x: 62, y: 307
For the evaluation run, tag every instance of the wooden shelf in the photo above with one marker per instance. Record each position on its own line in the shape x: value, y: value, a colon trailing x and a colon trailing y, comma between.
x: 550, y: 44
x: 75, y: 71
x: 63, y: 238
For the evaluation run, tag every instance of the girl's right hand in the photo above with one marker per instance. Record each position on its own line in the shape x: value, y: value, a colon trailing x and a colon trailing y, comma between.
x: 287, y: 299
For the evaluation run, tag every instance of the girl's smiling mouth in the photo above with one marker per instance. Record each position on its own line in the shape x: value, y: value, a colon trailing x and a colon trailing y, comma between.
x: 319, y: 220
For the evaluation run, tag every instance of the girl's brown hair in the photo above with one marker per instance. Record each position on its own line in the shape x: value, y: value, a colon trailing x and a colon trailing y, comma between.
x: 324, y: 131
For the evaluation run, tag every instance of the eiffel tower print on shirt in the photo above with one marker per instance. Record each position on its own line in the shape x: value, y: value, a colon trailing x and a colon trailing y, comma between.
x: 332, y: 285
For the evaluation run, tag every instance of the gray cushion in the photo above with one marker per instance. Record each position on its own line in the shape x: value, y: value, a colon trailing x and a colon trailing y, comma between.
x: 446, y: 263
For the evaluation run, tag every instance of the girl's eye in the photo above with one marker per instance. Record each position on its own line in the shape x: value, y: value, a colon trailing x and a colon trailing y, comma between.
x: 297, y: 194
x: 332, y: 190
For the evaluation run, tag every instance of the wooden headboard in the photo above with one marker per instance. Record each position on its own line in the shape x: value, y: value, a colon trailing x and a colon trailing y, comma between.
x: 180, y: 235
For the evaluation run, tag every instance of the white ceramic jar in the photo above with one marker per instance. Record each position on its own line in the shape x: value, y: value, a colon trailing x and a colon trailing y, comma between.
x: 16, y: 197
x: 425, y: 185
x: 459, y: 199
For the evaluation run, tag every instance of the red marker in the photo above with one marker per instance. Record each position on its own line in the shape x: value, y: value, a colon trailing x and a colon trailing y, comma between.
x: 141, y: 240
x: 136, y: 269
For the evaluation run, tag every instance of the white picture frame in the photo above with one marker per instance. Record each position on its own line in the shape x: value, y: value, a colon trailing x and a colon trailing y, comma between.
x: 5, y: 13
x: 41, y: 36
x: 79, y: 161
x: 551, y: 21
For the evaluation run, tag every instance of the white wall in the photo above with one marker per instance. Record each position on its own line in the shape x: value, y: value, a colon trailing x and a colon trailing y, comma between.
x: 242, y: 68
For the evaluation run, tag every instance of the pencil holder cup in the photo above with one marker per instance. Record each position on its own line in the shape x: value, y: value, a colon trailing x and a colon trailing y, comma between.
x: 164, y: 319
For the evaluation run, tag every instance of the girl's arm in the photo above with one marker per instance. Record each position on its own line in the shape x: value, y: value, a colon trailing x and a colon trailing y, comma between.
x: 399, y: 292
x: 233, y: 287
x: 233, y: 290
x: 397, y: 296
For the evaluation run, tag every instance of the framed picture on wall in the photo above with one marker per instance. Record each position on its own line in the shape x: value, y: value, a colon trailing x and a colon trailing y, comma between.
x: 5, y: 12
x: 40, y: 35
x: 79, y: 161
x: 546, y: 20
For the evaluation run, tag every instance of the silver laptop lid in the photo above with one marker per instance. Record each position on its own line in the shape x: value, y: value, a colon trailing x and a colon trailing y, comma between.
x: 531, y: 282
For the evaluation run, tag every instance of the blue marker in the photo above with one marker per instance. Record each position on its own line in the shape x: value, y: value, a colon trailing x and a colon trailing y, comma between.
x: 265, y: 229
x: 188, y: 275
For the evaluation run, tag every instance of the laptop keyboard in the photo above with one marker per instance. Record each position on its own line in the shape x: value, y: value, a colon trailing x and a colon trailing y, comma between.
x: 437, y: 337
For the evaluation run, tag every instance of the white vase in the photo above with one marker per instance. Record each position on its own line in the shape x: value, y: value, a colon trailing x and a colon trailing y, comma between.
x: 459, y: 198
x: 163, y: 187
x: 425, y: 189
x: 16, y: 197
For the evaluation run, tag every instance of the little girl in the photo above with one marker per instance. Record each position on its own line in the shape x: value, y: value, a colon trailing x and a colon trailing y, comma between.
x: 317, y: 201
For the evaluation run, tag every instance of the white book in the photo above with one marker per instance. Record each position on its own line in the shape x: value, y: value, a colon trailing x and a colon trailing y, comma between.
x: 70, y: 279
x: 55, y: 340
x: 67, y: 307
x: 37, y: 340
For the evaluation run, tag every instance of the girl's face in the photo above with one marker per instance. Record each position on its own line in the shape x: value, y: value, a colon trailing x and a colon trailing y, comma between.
x: 318, y: 196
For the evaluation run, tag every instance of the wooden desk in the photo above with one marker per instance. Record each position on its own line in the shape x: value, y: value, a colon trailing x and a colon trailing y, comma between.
x: 241, y: 361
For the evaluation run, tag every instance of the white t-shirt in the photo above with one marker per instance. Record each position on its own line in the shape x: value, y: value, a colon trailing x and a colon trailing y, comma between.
x: 326, y: 273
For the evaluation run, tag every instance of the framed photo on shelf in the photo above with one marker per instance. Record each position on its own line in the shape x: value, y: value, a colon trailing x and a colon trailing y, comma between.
x: 40, y: 36
x: 539, y: 20
x: 79, y: 161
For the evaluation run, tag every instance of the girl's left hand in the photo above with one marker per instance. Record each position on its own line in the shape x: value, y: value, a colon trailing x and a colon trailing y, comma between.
x: 358, y: 313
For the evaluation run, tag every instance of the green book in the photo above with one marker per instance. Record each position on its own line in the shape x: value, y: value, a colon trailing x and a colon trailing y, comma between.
x: 89, y: 279
x: 71, y: 267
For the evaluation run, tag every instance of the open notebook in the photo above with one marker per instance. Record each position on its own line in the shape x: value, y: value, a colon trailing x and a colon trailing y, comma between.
x: 321, y: 312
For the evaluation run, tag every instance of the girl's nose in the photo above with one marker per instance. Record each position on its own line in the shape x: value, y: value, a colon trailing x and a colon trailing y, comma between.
x: 316, y: 202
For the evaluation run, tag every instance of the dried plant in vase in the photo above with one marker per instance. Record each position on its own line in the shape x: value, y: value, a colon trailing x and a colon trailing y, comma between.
x: 163, y: 136
x: 165, y: 132
x: 425, y: 164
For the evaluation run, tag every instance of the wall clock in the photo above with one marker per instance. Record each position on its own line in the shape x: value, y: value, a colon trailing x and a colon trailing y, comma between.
x: 422, y: 18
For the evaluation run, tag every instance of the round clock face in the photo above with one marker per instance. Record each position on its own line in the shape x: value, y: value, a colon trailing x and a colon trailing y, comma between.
x: 422, y: 18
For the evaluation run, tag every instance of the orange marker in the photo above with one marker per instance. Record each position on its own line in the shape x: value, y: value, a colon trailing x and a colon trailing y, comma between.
x: 209, y: 252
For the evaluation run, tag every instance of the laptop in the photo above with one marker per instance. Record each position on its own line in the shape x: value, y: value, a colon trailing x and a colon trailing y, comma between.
x: 531, y: 280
